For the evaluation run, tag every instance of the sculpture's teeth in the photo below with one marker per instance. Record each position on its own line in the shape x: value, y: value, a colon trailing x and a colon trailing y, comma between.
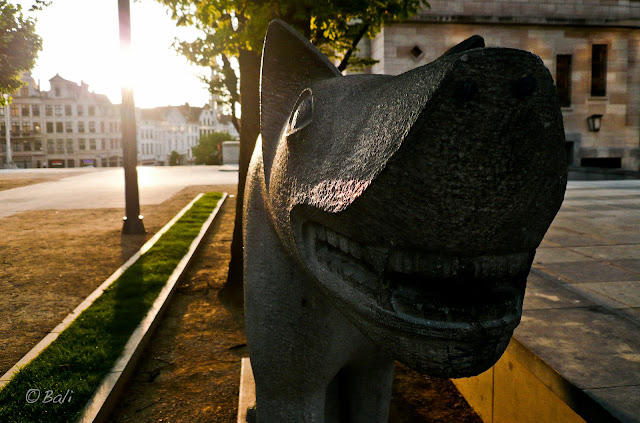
x: 344, y: 244
x: 320, y: 232
x: 332, y: 238
x: 355, y: 250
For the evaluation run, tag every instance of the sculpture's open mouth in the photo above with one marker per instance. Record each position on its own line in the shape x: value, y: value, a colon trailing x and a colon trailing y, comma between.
x: 416, y: 289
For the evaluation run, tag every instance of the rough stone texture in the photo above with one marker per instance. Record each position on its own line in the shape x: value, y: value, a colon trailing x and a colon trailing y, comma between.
x: 391, y: 217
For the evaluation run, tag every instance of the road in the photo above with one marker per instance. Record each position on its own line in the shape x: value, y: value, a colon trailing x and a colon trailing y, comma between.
x: 104, y: 187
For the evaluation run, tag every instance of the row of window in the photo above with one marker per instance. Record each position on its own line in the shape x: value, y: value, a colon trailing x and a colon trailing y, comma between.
x: 26, y: 128
x: 598, y: 74
x: 65, y: 146
x: 26, y: 110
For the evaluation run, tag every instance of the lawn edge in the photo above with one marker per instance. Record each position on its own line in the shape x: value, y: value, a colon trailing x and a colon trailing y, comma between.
x: 106, y: 396
x: 111, y: 386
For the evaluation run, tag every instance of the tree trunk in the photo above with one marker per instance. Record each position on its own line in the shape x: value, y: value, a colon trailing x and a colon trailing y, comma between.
x: 249, y: 62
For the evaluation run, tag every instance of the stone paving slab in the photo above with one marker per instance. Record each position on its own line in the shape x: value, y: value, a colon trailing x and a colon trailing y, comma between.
x: 589, y: 271
x: 613, y: 252
x: 542, y: 293
x: 627, y: 293
x: 590, y: 346
x: 627, y: 399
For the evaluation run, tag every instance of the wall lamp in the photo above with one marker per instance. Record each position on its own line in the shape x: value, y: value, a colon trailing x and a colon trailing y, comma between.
x: 594, y: 122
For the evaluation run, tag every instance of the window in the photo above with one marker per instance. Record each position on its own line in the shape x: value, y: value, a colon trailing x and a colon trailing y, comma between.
x: 82, y: 144
x: 26, y: 128
x: 67, y: 110
x: 60, y: 146
x: 36, y: 127
x: 102, y: 127
x: 92, y: 110
x: 48, y: 110
x: 92, y: 144
x: 15, y: 110
x: 25, y: 110
x: 2, y: 111
x: 35, y: 109
x: 68, y: 127
x: 59, y: 128
x: 15, y: 129
x: 24, y: 91
x: 26, y: 145
x: 37, y: 145
x: 92, y: 127
x: 49, y: 127
x: 80, y: 110
x: 50, y: 146
x: 58, y: 109
x: 563, y: 79
x: 598, y: 70
x: 104, y: 144
x: 81, y: 127
x: 69, y: 146
x: 57, y: 90
x: 110, y: 126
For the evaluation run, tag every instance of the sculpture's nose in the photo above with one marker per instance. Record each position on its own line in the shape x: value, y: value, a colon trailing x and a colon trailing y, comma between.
x: 483, y: 167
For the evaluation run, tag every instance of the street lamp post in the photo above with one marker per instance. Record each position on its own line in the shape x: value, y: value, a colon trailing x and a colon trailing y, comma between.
x: 7, y: 131
x: 133, y: 220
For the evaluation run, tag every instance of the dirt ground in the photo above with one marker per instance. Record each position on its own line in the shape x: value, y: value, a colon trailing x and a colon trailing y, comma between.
x: 51, y: 260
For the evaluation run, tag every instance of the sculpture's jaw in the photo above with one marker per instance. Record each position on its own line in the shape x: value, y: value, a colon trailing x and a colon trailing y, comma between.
x: 446, y: 315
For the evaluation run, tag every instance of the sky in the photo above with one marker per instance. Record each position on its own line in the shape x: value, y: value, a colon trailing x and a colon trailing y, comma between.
x: 81, y: 43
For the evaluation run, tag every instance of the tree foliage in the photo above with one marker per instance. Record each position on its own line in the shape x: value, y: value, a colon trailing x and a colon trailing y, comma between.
x: 174, y: 158
x: 228, y: 27
x: 19, y: 47
x: 209, y: 148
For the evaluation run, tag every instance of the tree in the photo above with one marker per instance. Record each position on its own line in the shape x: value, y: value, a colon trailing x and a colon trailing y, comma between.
x: 209, y: 148
x: 232, y: 33
x: 174, y: 158
x: 19, y: 47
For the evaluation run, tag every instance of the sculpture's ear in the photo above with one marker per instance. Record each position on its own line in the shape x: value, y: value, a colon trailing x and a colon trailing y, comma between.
x: 290, y: 63
x: 475, y: 41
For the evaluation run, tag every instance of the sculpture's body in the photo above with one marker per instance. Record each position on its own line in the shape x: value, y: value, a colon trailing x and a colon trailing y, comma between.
x: 391, y: 218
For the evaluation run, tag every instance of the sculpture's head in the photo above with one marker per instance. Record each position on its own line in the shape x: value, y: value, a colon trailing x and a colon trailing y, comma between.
x: 415, y: 201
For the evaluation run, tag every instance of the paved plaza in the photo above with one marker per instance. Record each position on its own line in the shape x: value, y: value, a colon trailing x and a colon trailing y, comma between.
x: 104, y: 187
x: 582, y: 308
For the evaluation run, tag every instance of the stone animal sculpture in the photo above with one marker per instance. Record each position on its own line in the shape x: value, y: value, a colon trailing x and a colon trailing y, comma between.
x: 391, y: 217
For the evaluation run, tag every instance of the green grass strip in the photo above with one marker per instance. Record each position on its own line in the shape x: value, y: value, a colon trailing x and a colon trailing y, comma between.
x: 77, y: 361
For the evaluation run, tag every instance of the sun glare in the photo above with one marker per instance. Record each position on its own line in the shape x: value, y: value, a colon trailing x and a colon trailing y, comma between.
x: 81, y: 43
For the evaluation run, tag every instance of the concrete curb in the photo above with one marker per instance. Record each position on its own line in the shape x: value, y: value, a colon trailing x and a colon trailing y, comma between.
x: 106, y: 395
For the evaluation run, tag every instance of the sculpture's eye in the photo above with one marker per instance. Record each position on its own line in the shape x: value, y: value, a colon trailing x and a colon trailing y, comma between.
x: 302, y: 112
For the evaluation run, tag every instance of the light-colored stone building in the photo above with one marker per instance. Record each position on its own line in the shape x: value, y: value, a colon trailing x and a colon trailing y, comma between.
x: 212, y: 120
x: 163, y: 130
x: 591, y: 47
x: 67, y: 126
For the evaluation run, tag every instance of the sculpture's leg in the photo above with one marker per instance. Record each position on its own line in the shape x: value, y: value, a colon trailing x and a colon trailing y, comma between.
x: 304, y: 407
x: 369, y: 391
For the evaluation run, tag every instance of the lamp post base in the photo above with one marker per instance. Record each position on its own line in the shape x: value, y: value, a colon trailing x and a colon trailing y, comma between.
x: 133, y: 226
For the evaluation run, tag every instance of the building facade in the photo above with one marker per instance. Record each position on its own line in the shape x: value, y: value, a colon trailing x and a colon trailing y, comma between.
x: 212, y: 120
x: 591, y: 47
x: 67, y: 126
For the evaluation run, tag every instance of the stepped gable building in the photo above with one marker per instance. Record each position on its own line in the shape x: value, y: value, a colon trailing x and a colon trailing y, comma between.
x: 212, y: 120
x: 67, y: 126
x: 591, y: 47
